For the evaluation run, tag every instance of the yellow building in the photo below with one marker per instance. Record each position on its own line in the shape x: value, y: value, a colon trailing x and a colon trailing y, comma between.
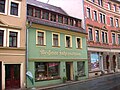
x: 12, y: 43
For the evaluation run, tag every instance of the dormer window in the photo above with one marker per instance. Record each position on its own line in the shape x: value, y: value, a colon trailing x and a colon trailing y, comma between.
x: 65, y: 20
x: 60, y: 19
x: 37, y: 13
x: 30, y: 11
x: 53, y: 17
x: 45, y: 15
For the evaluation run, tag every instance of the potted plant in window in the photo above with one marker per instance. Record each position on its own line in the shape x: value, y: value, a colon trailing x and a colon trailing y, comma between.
x: 64, y: 79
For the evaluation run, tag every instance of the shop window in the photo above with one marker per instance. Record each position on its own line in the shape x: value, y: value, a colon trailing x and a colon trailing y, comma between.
x: 53, y: 17
x: 78, y: 42
x: 13, y: 39
x: 47, y: 70
x: 56, y: 39
x: 90, y: 34
x: 2, y: 6
x: 1, y: 37
x: 37, y: 13
x: 60, y: 19
x: 95, y: 61
x: 113, y: 38
x: 97, y: 35
x: 45, y: 15
x: 29, y: 10
x: 81, y: 68
x: 40, y: 38
x: 68, y: 42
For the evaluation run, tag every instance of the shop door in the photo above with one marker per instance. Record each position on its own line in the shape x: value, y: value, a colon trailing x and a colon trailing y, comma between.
x: 12, y: 76
x: 68, y: 71
x: 0, y: 75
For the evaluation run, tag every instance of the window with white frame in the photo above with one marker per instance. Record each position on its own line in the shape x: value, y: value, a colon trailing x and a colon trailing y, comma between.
x: 14, y: 8
x: 97, y: 35
x: 13, y: 38
x: 117, y: 23
x: 40, y: 38
x: 90, y: 34
x: 88, y: 13
x: 109, y: 6
x: 95, y: 15
x: 3, y: 6
x: 78, y: 42
x: 1, y: 37
x: 55, y: 39
x: 113, y: 38
x: 114, y: 7
x: 102, y: 18
x: 119, y: 39
x: 111, y: 21
x: 68, y: 41
x: 100, y: 2
x: 104, y: 37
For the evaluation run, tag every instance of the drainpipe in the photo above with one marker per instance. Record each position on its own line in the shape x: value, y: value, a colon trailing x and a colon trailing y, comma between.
x: 29, y: 24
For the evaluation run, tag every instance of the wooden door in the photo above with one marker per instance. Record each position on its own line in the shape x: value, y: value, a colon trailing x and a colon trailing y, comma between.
x: 12, y: 76
x: 0, y: 75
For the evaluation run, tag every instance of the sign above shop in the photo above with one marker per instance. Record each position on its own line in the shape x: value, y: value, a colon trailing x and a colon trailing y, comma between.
x: 61, y: 53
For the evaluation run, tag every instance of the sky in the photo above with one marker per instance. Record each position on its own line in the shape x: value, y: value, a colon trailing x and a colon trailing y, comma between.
x: 45, y: 1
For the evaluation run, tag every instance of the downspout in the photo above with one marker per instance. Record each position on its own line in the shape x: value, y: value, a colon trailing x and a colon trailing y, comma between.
x: 27, y: 28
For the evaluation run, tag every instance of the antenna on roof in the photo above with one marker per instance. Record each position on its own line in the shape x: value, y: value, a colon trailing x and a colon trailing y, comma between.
x: 47, y: 1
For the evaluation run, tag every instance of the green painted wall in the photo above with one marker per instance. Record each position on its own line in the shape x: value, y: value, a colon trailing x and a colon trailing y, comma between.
x: 61, y: 54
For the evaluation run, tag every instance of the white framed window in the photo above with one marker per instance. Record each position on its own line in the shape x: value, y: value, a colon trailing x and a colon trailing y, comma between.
x: 88, y: 12
x: 2, y: 37
x: 13, y: 38
x: 113, y: 38
x: 55, y: 39
x: 117, y: 22
x: 68, y: 41
x: 78, y: 42
x: 14, y: 8
x: 114, y: 7
x: 40, y: 38
x: 104, y: 37
x: 109, y: 6
x: 3, y: 6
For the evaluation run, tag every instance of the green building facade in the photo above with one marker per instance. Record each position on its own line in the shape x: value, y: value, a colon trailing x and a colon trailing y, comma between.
x: 55, y: 53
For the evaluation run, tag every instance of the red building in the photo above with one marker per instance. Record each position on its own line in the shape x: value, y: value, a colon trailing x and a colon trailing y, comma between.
x: 103, y: 27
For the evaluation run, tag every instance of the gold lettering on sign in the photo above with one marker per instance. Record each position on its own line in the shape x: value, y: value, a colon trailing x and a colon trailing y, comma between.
x: 62, y: 53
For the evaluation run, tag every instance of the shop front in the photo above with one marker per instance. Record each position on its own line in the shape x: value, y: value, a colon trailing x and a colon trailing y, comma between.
x: 51, y: 64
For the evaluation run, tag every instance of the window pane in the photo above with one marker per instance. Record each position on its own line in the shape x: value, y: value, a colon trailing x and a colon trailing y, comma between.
x: 78, y: 43
x: 103, y: 37
x: 60, y: 19
x: 29, y: 11
x: 113, y: 38
x: 40, y: 38
x: 13, y: 39
x: 53, y: 17
x: 37, y: 13
x: 90, y: 34
x: 14, y: 9
x: 81, y: 68
x: 119, y: 39
x: 47, y: 70
x: 2, y: 6
x: 1, y: 37
x: 65, y: 20
x: 67, y: 41
x: 97, y: 35
x: 55, y: 40
x: 45, y: 15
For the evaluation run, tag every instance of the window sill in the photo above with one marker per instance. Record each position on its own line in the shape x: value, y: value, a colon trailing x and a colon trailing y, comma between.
x: 69, y: 47
x: 47, y: 78
x: 40, y: 45
x: 78, y: 48
x: 56, y: 46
